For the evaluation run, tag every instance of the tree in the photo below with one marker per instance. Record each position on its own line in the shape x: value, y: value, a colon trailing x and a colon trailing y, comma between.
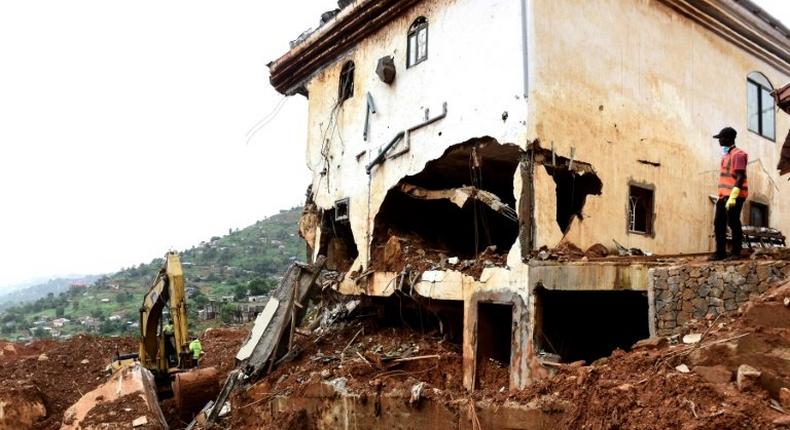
x: 200, y: 299
x: 60, y: 311
x: 240, y: 291
x: 259, y: 287
x: 226, y: 313
x: 123, y: 297
x: 75, y: 305
x: 40, y: 333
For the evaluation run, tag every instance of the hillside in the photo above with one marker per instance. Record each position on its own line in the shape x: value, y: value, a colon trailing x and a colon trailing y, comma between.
x: 39, y: 290
x: 244, y: 261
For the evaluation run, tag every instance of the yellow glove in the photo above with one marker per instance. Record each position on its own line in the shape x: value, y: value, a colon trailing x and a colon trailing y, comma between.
x: 733, y: 195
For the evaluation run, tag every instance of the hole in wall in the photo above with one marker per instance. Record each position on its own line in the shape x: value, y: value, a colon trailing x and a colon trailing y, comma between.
x: 337, y: 242
x: 588, y: 325
x: 572, y: 189
x: 438, y: 225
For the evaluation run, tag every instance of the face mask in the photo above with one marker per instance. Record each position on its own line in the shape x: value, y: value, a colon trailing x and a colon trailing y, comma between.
x: 725, y: 150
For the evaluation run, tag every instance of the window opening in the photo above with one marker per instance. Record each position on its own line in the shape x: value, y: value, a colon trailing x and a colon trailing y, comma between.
x: 341, y: 210
x: 640, y: 210
x: 346, y: 88
x: 758, y: 214
x: 760, y: 105
x: 417, y: 51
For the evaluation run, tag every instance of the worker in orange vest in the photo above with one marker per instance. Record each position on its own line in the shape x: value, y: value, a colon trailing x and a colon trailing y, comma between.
x: 733, y: 190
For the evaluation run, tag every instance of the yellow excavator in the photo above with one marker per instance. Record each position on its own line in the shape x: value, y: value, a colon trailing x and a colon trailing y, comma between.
x: 164, y: 347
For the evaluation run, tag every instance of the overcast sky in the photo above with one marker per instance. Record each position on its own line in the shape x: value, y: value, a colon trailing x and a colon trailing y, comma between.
x: 123, y: 127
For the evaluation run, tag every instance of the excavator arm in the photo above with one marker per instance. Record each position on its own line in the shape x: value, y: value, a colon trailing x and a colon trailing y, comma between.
x: 166, y: 290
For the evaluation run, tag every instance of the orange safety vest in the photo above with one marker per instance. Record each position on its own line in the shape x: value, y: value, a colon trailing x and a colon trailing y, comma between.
x: 727, y: 175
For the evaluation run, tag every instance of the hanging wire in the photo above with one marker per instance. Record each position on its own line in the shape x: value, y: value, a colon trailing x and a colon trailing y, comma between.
x: 263, y: 122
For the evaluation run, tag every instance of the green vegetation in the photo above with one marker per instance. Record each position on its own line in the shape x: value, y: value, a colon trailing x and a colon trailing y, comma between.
x: 245, y: 262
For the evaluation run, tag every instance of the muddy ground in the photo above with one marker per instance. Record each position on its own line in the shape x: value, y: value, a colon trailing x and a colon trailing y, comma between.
x: 58, y: 373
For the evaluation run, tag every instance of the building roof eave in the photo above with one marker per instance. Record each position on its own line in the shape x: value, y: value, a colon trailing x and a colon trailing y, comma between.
x: 742, y: 23
x: 355, y: 22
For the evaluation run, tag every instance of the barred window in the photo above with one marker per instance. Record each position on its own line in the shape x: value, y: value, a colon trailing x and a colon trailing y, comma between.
x: 417, y: 50
x: 346, y: 88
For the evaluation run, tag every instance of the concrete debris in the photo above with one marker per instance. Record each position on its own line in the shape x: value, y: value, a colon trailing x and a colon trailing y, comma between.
x: 43, y: 357
x: 692, y: 338
x: 784, y: 398
x: 416, y: 391
x: 140, y: 421
x: 460, y: 196
x: 682, y: 368
x: 628, y: 252
x: 272, y: 335
x: 746, y: 377
x: 85, y: 361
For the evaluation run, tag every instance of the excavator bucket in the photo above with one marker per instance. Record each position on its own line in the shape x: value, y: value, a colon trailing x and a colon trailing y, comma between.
x: 129, y: 395
x: 193, y: 389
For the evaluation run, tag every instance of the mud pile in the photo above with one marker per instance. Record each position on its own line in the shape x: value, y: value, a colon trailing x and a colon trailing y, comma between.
x: 61, y: 371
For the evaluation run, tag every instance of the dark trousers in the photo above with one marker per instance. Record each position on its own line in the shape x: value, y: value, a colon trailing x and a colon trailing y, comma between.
x: 731, y: 218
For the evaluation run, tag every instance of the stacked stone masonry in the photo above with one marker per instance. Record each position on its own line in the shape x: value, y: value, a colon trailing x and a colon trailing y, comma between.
x: 683, y: 293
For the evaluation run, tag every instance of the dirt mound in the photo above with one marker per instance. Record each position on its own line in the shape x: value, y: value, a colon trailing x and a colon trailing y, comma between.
x: 62, y: 370
x: 220, y: 346
x: 120, y: 413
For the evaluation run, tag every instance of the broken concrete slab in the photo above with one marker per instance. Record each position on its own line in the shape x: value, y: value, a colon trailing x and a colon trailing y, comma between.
x: 131, y: 382
x: 274, y: 329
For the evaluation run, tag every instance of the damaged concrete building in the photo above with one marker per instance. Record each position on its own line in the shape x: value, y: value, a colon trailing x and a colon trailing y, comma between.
x: 450, y: 141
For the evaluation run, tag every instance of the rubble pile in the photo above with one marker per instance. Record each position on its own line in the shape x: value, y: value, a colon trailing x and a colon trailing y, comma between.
x: 410, y: 253
x: 721, y: 371
x: 358, y: 355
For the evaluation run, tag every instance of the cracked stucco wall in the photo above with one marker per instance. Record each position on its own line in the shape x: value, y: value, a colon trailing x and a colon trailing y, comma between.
x: 642, y: 82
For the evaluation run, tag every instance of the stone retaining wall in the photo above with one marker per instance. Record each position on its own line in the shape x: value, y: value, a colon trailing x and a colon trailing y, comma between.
x: 682, y: 293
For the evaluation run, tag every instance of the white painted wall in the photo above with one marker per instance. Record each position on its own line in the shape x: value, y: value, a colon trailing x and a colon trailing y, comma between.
x: 474, y: 65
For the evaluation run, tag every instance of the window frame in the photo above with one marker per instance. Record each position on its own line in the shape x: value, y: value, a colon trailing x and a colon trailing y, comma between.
x: 764, y: 208
x: 345, y: 90
x: 420, y: 24
x: 650, y: 229
x: 753, y: 81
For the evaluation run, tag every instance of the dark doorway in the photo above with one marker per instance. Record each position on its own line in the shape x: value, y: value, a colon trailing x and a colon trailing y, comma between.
x: 494, y: 338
